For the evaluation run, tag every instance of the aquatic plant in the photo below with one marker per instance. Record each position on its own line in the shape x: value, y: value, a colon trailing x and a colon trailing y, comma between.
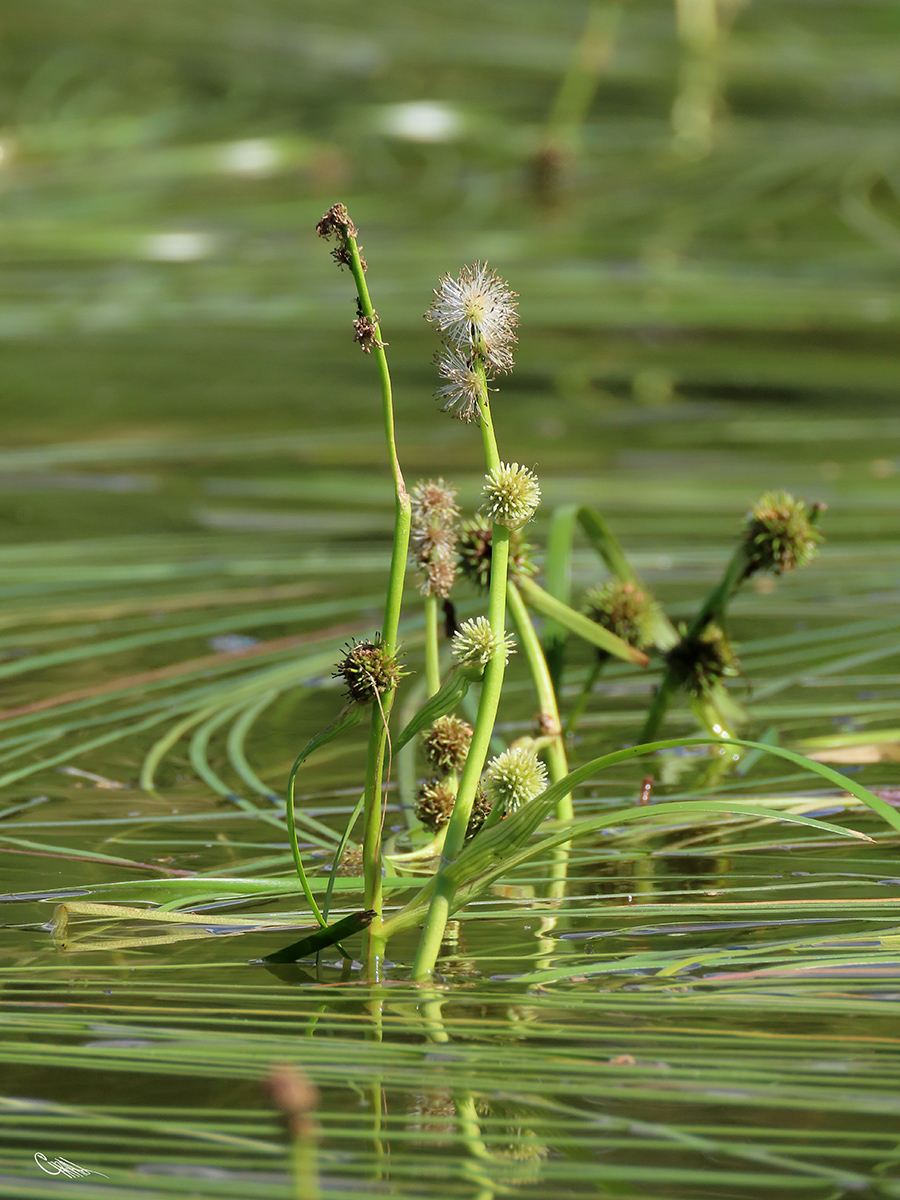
x: 481, y: 816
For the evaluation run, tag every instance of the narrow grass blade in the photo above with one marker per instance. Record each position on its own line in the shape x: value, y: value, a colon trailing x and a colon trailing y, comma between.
x: 442, y: 702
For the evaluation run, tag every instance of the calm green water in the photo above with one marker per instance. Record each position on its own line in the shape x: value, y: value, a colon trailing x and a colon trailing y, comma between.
x: 193, y: 466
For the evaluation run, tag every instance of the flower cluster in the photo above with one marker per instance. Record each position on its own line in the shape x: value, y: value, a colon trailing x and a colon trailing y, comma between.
x: 474, y: 643
x: 434, y: 805
x: 780, y: 534
x: 511, y: 495
x: 447, y: 742
x: 475, y: 315
x: 515, y: 777
x: 474, y: 551
x: 700, y: 663
x: 433, y: 535
x: 446, y: 745
x: 368, y: 669
x: 624, y: 609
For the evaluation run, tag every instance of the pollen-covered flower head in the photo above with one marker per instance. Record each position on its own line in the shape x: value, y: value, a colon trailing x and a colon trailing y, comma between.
x: 511, y: 495
x: 477, y: 312
x: 515, y: 777
x: 474, y: 643
x: 624, y: 609
x: 780, y: 534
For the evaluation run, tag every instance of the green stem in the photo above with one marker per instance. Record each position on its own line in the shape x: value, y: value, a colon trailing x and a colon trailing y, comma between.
x: 491, y: 453
x: 378, y: 731
x: 442, y: 898
x: 530, y: 645
x: 432, y: 652
x: 587, y: 688
x: 712, y: 609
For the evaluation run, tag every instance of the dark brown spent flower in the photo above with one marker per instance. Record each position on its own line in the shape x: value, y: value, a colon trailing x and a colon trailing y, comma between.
x: 699, y: 663
x: 481, y: 808
x: 439, y: 577
x: 545, y: 724
x: 337, y: 222
x: 366, y: 332
x: 341, y: 256
x: 434, y: 803
x: 474, y: 551
x: 780, y: 535
x: 624, y: 609
x: 368, y: 669
x: 447, y: 742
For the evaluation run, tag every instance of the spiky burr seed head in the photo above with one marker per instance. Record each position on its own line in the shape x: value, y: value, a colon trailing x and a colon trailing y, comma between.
x: 368, y: 669
x: 476, y: 311
x: 474, y: 552
x: 447, y: 742
x: 474, y: 644
x: 481, y: 809
x: 351, y: 861
x: 337, y: 222
x: 699, y: 663
x: 624, y: 609
x: 779, y: 534
x: 515, y: 777
x: 434, y: 803
x: 511, y: 495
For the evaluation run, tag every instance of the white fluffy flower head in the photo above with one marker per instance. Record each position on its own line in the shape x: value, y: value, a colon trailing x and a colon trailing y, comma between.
x: 474, y: 643
x: 460, y: 392
x: 477, y: 312
x: 515, y: 777
x: 511, y: 495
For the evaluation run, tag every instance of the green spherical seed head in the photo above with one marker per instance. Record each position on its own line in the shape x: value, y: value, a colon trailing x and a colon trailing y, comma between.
x: 434, y: 803
x: 368, y: 669
x: 474, y: 552
x: 700, y: 662
x: 624, y: 609
x: 779, y: 534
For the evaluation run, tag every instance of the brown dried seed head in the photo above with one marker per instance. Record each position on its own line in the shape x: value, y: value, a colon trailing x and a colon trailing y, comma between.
x: 366, y: 332
x: 337, y: 221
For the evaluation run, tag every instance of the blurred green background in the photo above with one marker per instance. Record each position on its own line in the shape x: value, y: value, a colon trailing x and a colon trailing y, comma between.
x: 710, y: 212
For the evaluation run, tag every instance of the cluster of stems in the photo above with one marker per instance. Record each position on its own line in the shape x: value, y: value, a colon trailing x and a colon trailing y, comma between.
x: 475, y: 316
